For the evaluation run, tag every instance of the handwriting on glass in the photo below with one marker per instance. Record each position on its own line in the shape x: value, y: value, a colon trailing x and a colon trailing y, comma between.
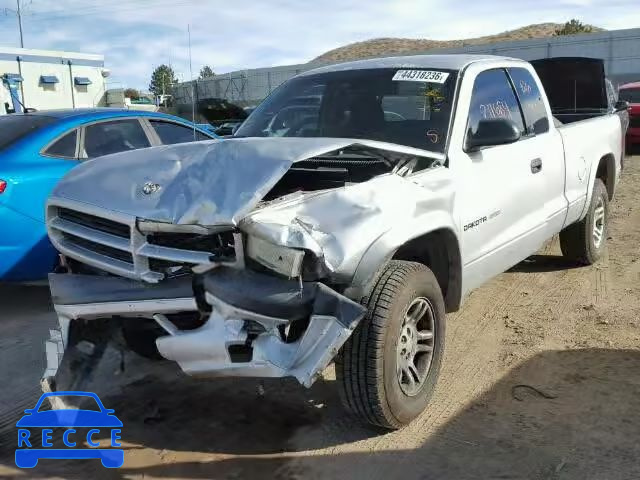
x: 525, y: 87
x: 497, y: 109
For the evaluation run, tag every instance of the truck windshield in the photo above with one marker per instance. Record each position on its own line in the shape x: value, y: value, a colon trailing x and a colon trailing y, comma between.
x: 402, y: 106
x: 631, y: 95
x: 14, y: 127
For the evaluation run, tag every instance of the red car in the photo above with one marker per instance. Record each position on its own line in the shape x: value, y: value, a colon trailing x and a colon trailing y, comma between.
x: 631, y: 93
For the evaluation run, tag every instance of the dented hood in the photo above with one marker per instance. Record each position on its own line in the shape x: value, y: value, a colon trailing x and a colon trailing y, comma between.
x: 204, y: 183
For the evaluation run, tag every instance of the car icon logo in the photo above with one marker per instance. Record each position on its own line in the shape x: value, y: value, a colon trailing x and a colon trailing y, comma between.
x: 35, y: 431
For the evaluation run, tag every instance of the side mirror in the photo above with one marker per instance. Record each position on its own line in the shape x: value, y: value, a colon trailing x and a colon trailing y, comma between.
x: 490, y: 132
x: 621, y: 105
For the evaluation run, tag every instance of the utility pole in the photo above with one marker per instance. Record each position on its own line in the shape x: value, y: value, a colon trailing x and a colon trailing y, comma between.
x: 193, y: 95
x: 19, y: 13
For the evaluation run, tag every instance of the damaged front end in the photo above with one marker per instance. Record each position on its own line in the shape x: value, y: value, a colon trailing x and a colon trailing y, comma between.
x: 252, y: 324
x: 230, y: 267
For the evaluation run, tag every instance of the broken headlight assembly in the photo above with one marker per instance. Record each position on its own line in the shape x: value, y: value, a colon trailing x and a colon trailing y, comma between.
x: 286, y: 261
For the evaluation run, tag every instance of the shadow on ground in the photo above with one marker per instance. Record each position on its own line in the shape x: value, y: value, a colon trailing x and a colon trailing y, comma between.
x: 544, y: 263
x: 560, y: 415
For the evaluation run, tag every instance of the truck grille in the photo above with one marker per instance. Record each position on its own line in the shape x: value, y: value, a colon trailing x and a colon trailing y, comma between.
x: 97, y: 223
x: 112, y: 242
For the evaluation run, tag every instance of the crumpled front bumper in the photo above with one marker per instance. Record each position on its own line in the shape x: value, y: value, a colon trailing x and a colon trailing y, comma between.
x: 249, y: 311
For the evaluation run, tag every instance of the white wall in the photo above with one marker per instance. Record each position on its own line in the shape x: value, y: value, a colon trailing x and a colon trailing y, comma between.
x: 36, y: 63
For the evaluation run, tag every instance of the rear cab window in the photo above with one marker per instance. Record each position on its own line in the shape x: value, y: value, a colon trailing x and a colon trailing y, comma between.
x: 493, y: 97
x: 15, y: 127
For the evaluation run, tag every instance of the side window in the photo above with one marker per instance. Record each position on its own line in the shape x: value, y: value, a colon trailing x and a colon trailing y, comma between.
x: 493, y: 97
x: 64, y: 147
x: 530, y: 97
x: 171, y: 133
x: 115, y: 136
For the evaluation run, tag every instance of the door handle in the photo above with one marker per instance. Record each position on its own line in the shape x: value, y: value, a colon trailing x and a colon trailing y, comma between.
x: 536, y: 165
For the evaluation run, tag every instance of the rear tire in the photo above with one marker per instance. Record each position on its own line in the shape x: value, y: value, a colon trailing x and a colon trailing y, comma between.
x: 387, y: 370
x: 583, y: 242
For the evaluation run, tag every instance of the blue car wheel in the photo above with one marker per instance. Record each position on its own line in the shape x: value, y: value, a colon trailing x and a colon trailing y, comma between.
x: 112, y: 458
x: 26, y: 458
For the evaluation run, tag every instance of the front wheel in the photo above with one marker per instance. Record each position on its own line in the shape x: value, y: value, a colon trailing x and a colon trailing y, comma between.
x: 387, y: 370
x: 583, y: 242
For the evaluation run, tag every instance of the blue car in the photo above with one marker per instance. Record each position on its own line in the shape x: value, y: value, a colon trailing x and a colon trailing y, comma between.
x: 35, y: 433
x: 38, y: 149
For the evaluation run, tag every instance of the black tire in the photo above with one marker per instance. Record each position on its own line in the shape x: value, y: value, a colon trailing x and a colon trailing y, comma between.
x: 577, y: 241
x: 366, y: 368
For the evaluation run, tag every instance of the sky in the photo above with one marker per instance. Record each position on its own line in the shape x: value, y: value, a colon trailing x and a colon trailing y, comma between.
x: 137, y: 35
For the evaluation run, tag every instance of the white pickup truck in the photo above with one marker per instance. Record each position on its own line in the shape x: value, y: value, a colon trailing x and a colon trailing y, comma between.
x: 356, y: 206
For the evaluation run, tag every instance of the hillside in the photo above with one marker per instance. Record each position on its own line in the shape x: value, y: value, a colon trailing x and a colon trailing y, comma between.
x: 396, y: 46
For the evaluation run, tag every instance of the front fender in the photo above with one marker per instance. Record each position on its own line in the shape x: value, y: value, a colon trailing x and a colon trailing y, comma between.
x: 384, y: 248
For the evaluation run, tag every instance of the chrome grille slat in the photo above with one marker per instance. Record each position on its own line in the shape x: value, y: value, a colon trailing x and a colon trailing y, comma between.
x: 96, y: 223
x: 174, y: 254
x: 87, y: 233
x: 108, y: 264
x: 110, y: 241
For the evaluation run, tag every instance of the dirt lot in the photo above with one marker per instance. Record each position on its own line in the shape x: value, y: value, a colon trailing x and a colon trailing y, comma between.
x: 541, y: 380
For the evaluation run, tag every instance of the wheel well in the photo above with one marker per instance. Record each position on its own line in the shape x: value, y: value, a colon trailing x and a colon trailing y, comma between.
x: 439, y: 251
x: 606, y: 172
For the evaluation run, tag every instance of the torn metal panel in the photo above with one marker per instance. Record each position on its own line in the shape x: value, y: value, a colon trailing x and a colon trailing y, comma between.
x: 339, y: 225
x: 206, y: 350
x: 203, y: 183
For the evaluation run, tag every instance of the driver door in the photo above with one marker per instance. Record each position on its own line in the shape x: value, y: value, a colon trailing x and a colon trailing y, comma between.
x: 500, y: 208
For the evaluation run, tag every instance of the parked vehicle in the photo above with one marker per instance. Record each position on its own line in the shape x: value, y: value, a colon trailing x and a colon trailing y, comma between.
x: 630, y: 92
x: 345, y: 235
x: 38, y: 149
x: 223, y: 115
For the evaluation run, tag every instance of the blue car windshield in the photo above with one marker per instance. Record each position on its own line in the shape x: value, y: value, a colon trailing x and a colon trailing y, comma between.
x: 406, y: 107
x: 14, y: 127
x: 88, y: 403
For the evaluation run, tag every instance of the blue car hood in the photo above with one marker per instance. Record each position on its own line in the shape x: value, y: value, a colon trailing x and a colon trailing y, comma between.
x: 203, y: 183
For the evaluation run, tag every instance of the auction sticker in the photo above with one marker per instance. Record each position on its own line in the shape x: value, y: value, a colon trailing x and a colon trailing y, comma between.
x: 420, y: 76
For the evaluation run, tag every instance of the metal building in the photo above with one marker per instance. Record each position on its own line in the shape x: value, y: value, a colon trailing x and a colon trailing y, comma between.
x: 619, y: 48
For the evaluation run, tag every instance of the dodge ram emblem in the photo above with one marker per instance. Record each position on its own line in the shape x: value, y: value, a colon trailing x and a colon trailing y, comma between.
x: 150, y: 188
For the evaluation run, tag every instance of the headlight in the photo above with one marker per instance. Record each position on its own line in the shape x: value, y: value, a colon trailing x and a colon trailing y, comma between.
x: 283, y: 260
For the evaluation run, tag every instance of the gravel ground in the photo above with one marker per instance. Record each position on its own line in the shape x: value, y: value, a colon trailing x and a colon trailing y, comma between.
x: 541, y: 380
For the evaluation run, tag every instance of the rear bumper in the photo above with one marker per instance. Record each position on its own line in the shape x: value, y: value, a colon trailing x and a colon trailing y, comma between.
x: 254, y: 322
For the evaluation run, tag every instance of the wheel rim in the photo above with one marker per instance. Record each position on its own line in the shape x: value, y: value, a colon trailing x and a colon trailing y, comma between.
x: 414, y: 351
x: 598, y: 223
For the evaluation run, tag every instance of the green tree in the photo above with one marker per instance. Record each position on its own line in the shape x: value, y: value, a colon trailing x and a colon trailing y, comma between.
x: 131, y: 93
x: 573, y: 27
x: 162, y: 78
x: 206, y: 72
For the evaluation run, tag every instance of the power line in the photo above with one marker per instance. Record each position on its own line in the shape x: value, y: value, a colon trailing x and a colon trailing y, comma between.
x: 55, y: 15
